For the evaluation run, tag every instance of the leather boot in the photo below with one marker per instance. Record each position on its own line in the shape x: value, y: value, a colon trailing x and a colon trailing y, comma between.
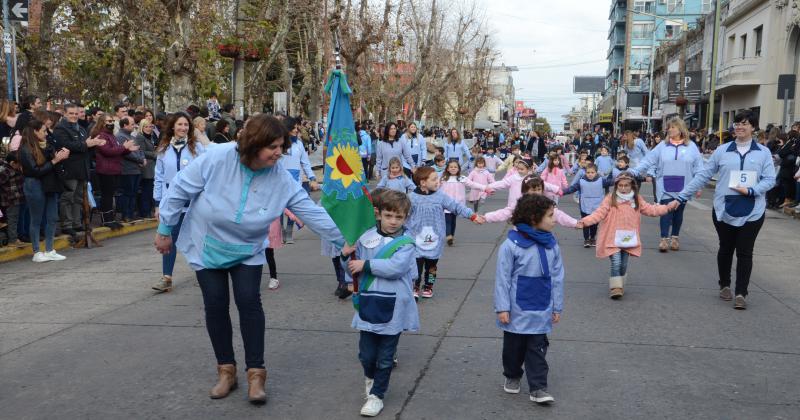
x: 255, y: 381
x: 226, y: 382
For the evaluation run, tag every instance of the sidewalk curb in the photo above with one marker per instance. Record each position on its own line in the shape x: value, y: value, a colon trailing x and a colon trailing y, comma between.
x: 8, y: 253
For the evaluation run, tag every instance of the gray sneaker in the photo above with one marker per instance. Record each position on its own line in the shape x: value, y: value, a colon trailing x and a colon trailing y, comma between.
x: 739, y: 303
x: 541, y: 396
x: 511, y: 386
x: 725, y: 294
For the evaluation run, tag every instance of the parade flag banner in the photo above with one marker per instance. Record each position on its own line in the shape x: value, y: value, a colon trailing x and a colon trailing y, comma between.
x: 344, y: 192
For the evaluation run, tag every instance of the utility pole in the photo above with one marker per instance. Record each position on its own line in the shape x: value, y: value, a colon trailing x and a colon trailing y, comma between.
x: 713, y: 92
x: 682, y: 81
x: 238, y: 72
x: 6, y: 44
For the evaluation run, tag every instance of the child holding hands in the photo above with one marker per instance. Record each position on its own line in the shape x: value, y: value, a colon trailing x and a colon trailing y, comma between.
x: 620, y: 213
x: 385, y: 306
x: 529, y: 295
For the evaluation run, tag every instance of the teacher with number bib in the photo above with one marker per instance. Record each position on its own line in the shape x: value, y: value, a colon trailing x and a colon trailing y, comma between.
x: 745, y: 173
x: 235, y: 191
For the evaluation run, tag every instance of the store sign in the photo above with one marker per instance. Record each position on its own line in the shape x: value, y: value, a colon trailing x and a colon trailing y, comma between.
x: 692, y: 85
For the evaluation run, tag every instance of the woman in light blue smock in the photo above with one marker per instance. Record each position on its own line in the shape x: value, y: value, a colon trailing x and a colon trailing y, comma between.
x: 674, y: 162
x: 417, y: 144
x: 745, y: 173
x: 456, y: 149
x: 176, y: 150
x: 235, y: 191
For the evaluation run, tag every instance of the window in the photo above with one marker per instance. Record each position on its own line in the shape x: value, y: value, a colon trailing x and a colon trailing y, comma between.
x: 708, y: 6
x: 672, y: 31
x: 643, y: 6
x: 636, y: 79
x: 674, y: 6
x: 744, y: 45
x: 758, y: 32
x: 642, y: 30
x: 640, y: 58
x: 731, y: 45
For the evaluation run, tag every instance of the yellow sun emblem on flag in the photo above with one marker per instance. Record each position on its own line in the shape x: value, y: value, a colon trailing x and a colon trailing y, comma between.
x: 345, y: 164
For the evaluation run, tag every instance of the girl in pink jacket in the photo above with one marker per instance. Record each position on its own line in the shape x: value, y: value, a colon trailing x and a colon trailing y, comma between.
x: 532, y: 185
x: 479, y: 175
x: 454, y: 185
x: 513, y: 182
x: 554, y: 174
x: 621, y: 214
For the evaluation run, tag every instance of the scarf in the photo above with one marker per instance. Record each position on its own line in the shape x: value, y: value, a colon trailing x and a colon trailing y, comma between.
x: 626, y: 197
x: 178, y: 143
x: 545, y: 239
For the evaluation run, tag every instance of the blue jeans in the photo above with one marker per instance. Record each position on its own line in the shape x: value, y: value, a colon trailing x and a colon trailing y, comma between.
x: 450, y: 223
x: 376, y: 353
x: 674, y: 219
x: 41, y: 203
x: 246, y: 282
x: 127, y: 201
x: 168, y: 260
x: 619, y: 264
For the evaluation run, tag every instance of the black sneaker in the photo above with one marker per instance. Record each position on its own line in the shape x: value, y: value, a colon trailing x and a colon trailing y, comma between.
x: 344, y: 294
x: 593, y: 242
x: 587, y: 243
x: 70, y: 232
x: 338, y: 291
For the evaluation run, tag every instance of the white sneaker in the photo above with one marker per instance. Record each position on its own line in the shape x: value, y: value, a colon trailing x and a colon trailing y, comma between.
x: 368, y: 386
x: 40, y: 257
x: 274, y: 284
x: 54, y: 256
x: 372, y: 407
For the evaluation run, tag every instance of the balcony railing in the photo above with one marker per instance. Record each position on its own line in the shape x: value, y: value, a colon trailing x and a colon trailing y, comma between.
x: 737, y: 67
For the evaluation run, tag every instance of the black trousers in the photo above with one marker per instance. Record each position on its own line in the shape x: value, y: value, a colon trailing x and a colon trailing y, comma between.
x: 589, y: 232
x: 273, y: 268
x: 740, y: 239
x: 426, y: 267
x: 108, y: 187
x: 530, y: 350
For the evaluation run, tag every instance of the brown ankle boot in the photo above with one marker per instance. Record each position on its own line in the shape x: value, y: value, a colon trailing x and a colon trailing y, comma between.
x: 226, y: 382
x: 255, y: 381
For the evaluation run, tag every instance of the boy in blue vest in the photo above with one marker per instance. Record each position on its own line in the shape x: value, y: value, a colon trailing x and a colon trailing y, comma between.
x: 592, y: 191
x: 529, y: 295
x: 384, y: 302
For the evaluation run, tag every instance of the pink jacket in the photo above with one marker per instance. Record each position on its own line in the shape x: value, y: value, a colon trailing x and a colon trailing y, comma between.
x: 555, y: 177
x: 623, y: 217
x: 504, y: 214
x: 479, y: 176
x: 456, y: 188
x: 512, y: 183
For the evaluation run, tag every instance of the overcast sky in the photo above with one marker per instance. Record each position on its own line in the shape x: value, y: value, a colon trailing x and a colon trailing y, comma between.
x: 546, y: 40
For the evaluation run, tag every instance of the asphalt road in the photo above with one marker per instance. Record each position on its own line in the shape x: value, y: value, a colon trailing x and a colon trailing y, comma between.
x: 87, y: 338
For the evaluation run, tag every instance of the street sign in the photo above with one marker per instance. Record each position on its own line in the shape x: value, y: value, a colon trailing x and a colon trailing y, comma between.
x: 7, y: 43
x: 692, y: 85
x: 588, y: 84
x: 786, y: 84
x: 18, y: 11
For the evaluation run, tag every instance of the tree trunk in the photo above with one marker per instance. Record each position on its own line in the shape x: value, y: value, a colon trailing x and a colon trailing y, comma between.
x: 180, y: 65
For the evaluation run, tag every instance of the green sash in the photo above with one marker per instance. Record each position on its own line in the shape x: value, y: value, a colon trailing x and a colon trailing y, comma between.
x: 387, y: 251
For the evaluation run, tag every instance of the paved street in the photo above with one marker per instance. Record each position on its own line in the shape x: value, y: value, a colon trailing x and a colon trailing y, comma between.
x: 86, y: 338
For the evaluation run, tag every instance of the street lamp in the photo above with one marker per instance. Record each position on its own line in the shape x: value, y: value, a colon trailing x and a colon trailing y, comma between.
x: 684, y: 27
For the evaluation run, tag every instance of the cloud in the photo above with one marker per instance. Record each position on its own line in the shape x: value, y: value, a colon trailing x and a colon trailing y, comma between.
x: 548, y: 40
